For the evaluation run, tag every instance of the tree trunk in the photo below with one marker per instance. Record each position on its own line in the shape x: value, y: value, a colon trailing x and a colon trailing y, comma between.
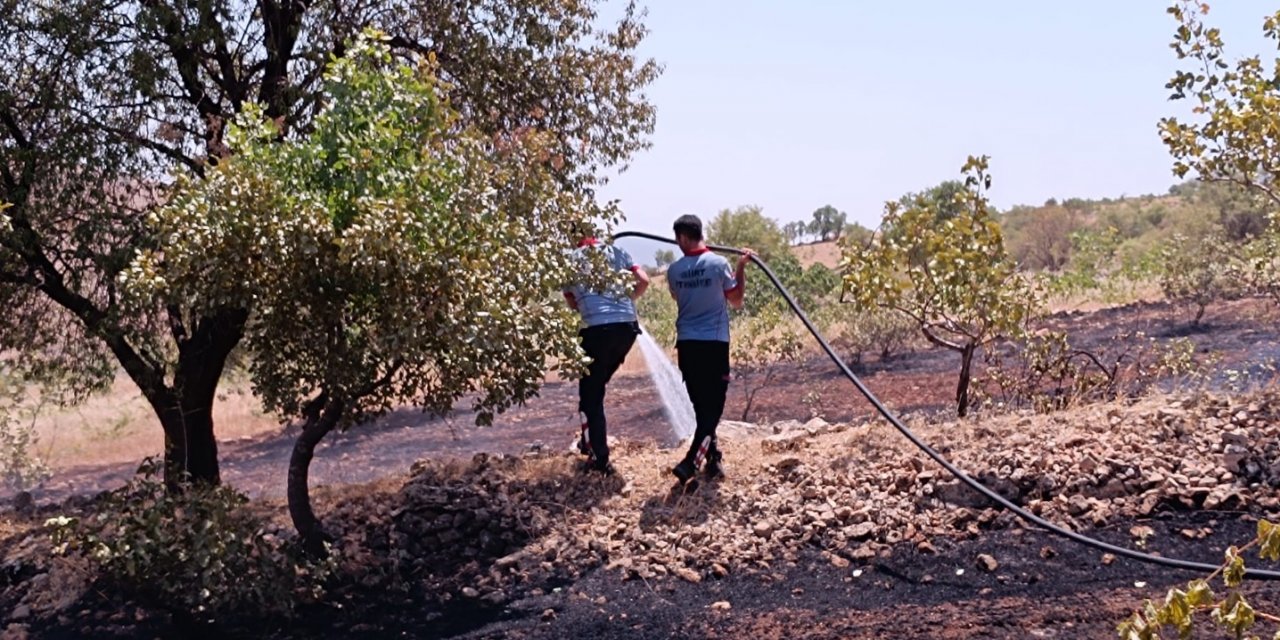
x: 316, y: 427
x: 966, y: 372
x: 190, y: 448
x: 186, y: 409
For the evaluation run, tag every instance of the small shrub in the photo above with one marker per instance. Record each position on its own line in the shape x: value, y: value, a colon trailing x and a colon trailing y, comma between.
x: 875, y: 331
x: 21, y: 468
x: 762, y: 342
x: 657, y: 312
x: 1046, y: 372
x: 813, y: 401
x: 1201, y: 271
x: 886, y: 333
x: 199, y: 554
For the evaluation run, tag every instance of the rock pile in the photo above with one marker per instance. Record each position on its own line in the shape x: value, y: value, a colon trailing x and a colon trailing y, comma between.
x: 499, y: 527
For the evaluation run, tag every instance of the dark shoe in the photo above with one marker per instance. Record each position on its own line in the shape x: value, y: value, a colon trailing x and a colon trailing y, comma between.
x: 684, y: 471
x: 603, y: 469
x: 713, y: 469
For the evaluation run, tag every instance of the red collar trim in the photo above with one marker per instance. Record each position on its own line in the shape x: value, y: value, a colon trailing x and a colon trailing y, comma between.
x: 587, y: 242
x: 697, y: 252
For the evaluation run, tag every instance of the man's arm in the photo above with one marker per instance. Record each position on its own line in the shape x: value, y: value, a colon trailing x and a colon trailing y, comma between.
x: 571, y: 299
x: 737, y: 294
x: 642, y: 281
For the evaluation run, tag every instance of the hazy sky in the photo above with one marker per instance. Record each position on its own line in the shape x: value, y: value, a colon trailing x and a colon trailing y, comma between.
x: 792, y: 104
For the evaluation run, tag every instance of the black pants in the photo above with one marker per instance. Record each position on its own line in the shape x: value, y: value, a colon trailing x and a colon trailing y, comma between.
x: 607, y: 345
x: 705, y: 367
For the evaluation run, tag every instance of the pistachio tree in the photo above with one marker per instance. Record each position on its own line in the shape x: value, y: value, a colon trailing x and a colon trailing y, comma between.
x: 391, y: 256
x: 1233, y: 132
x: 950, y: 274
x: 1200, y: 271
x: 101, y: 99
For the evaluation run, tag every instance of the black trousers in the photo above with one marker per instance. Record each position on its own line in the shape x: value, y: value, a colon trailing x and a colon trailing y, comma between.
x: 607, y: 345
x: 705, y: 367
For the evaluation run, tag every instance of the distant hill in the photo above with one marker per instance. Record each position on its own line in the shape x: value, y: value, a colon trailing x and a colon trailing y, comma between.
x: 824, y: 253
x: 1040, y: 237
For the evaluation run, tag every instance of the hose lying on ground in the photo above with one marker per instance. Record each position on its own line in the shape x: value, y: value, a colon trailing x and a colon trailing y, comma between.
x: 1256, y: 574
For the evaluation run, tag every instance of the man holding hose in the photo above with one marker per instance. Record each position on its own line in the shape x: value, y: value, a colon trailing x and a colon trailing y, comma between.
x: 704, y: 287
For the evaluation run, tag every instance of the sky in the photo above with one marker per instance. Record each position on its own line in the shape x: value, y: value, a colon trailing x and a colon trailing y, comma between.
x: 794, y: 104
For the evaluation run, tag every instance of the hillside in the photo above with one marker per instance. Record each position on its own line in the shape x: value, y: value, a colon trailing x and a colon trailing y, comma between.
x: 824, y: 253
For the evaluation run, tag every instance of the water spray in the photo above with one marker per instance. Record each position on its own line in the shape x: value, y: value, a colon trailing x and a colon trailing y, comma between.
x: 1027, y: 516
x: 670, y: 384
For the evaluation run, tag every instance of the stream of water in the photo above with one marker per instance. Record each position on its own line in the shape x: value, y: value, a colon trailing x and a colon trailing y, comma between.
x: 670, y: 386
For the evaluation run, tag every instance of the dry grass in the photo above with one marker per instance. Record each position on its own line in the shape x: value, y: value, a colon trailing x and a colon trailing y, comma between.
x: 119, y: 426
x: 1092, y: 301
x: 824, y: 253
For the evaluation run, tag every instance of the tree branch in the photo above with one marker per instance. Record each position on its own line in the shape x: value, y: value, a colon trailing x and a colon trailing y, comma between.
x: 188, y: 66
x: 163, y: 149
x: 147, y: 373
x: 929, y: 335
x: 7, y: 119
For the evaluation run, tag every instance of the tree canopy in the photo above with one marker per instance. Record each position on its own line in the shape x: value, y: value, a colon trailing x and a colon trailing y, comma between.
x: 102, y: 99
x: 390, y: 256
x: 828, y: 223
x: 954, y: 278
x: 747, y: 226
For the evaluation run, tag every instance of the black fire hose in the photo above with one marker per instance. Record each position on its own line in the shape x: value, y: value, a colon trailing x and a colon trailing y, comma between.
x: 1256, y: 574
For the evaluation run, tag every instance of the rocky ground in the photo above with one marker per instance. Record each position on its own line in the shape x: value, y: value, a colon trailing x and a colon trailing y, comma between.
x: 820, y: 530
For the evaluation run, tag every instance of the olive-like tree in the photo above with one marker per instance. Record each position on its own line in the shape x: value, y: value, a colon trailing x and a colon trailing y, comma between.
x: 949, y: 273
x: 100, y: 99
x: 391, y: 256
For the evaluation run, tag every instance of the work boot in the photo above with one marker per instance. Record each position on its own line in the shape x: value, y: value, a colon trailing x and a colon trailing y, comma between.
x: 684, y: 471
x: 591, y: 466
x: 713, y: 470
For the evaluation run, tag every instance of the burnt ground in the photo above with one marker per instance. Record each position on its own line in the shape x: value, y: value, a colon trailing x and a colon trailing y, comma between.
x: 1071, y: 594
x: 1043, y: 587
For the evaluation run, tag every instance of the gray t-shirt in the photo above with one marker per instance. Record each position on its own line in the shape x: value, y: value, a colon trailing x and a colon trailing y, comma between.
x: 699, y: 282
x: 605, y: 307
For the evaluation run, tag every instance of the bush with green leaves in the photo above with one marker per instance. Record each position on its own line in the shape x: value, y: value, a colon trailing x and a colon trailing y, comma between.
x: 942, y: 263
x: 762, y: 344
x: 657, y: 313
x: 392, y: 256
x: 1229, y: 609
x: 1262, y: 262
x: 21, y: 467
x: 1201, y: 271
x: 200, y: 554
x: 878, y: 332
